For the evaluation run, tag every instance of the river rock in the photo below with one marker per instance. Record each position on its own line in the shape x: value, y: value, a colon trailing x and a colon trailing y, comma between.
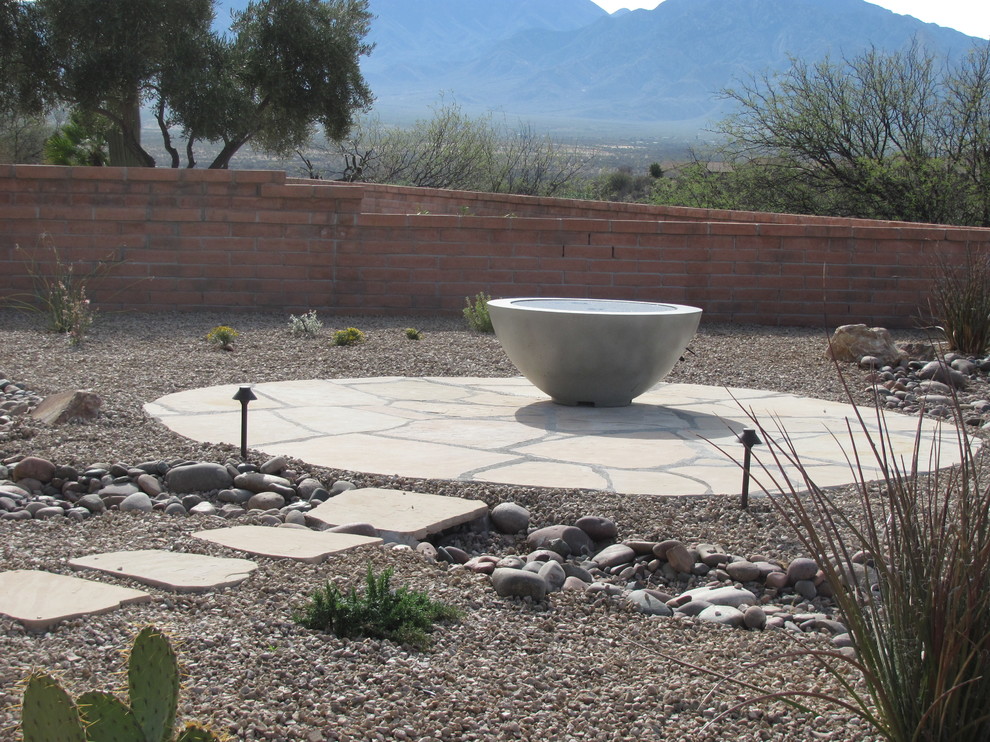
x: 598, y: 529
x: 518, y: 583
x: 722, y: 614
x: 197, y: 477
x: 137, y: 502
x: 614, y: 555
x: 723, y: 595
x: 647, y: 603
x: 680, y: 558
x: 801, y: 568
x: 509, y: 517
x: 576, y: 539
x: 554, y: 576
x: 265, y: 501
x: 34, y: 467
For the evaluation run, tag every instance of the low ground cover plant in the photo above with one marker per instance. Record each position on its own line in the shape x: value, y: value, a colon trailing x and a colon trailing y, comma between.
x: 222, y: 336
x: 350, y: 336
x: 400, y: 615
x: 476, y: 313
x: 305, y: 325
x: 413, y: 334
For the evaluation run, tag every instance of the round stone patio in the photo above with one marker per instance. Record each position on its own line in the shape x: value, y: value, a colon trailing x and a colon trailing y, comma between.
x: 676, y: 439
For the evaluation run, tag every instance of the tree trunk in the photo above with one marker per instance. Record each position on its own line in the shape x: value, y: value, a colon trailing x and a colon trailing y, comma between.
x: 125, y: 139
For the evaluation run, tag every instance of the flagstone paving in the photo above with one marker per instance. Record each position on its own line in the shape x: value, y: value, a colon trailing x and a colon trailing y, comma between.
x: 41, y: 599
x: 171, y: 570
x: 286, y: 543
x: 676, y: 439
x: 402, y: 516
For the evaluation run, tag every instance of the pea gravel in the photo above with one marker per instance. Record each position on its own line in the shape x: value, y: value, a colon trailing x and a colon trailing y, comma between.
x: 571, y: 668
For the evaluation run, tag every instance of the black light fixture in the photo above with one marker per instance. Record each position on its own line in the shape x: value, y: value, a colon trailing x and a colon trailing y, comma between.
x: 748, y: 438
x: 244, y: 395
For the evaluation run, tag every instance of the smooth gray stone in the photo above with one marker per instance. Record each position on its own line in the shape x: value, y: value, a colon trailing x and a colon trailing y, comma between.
x: 200, y: 477
x: 518, y: 583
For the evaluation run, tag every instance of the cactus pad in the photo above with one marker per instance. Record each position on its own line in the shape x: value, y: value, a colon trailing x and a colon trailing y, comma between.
x: 153, y: 684
x: 108, y: 719
x: 48, y: 712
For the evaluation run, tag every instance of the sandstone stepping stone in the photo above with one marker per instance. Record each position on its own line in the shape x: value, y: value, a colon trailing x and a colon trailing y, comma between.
x: 406, y: 515
x: 42, y: 599
x: 285, y: 543
x: 172, y: 570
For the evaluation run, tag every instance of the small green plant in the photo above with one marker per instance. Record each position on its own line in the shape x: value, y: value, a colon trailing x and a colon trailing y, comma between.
x: 222, y: 336
x: 350, y: 336
x: 60, y: 291
x: 960, y: 301
x: 476, y: 313
x: 413, y: 334
x: 307, y: 325
x: 400, y: 615
x: 49, y: 713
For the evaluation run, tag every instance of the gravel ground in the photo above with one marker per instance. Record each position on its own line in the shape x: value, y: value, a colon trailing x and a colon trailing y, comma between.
x: 568, y: 669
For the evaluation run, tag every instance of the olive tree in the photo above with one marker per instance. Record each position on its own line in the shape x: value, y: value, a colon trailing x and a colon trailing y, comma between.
x: 287, y: 66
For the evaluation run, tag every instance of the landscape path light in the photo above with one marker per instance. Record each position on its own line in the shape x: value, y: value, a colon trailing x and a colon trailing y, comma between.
x: 748, y: 438
x: 244, y: 395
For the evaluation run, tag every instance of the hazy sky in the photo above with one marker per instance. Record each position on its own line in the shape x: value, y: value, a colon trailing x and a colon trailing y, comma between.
x: 972, y: 17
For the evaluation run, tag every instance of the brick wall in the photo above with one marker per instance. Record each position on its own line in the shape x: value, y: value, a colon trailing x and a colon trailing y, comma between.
x: 193, y: 239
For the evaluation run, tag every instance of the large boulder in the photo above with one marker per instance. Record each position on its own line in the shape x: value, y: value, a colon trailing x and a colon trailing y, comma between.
x: 851, y: 343
x: 68, y: 406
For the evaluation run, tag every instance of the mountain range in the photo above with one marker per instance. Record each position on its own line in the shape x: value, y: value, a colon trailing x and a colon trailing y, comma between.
x: 567, y: 62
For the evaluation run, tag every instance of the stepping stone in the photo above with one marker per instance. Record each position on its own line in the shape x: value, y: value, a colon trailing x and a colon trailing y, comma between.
x: 42, y: 599
x: 393, y: 513
x: 285, y: 543
x: 172, y: 570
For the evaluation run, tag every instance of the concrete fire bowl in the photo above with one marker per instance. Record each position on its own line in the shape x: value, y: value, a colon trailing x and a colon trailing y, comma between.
x: 599, y: 352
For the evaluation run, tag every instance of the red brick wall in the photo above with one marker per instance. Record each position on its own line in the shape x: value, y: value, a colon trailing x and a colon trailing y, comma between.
x: 192, y: 239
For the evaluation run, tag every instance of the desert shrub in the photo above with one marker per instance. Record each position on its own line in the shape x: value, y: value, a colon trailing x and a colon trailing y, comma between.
x: 350, y: 336
x: 400, y: 615
x: 960, y: 301
x: 306, y: 325
x: 222, y: 336
x: 910, y: 573
x: 413, y: 334
x: 60, y: 290
x: 476, y: 313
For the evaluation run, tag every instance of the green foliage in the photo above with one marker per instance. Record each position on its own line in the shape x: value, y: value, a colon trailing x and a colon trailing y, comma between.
x: 917, y: 605
x: 48, y: 712
x: 307, y: 325
x: 413, y: 334
x: 350, y: 336
x: 22, y: 137
x: 884, y: 136
x: 401, y: 615
x: 80, y: 141
x: 222, y: 336
x: 60, y: 291
x: 476, y: 313
x: 286, y: 66
x: 960, y: 301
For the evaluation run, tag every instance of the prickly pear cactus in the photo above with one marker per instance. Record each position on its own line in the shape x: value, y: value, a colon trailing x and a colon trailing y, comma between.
x: 48, y: 712
x: 153, y: 684
x: 108, y: 719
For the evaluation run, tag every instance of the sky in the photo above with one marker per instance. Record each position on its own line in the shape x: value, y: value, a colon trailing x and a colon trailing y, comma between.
x: 972, y: 17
